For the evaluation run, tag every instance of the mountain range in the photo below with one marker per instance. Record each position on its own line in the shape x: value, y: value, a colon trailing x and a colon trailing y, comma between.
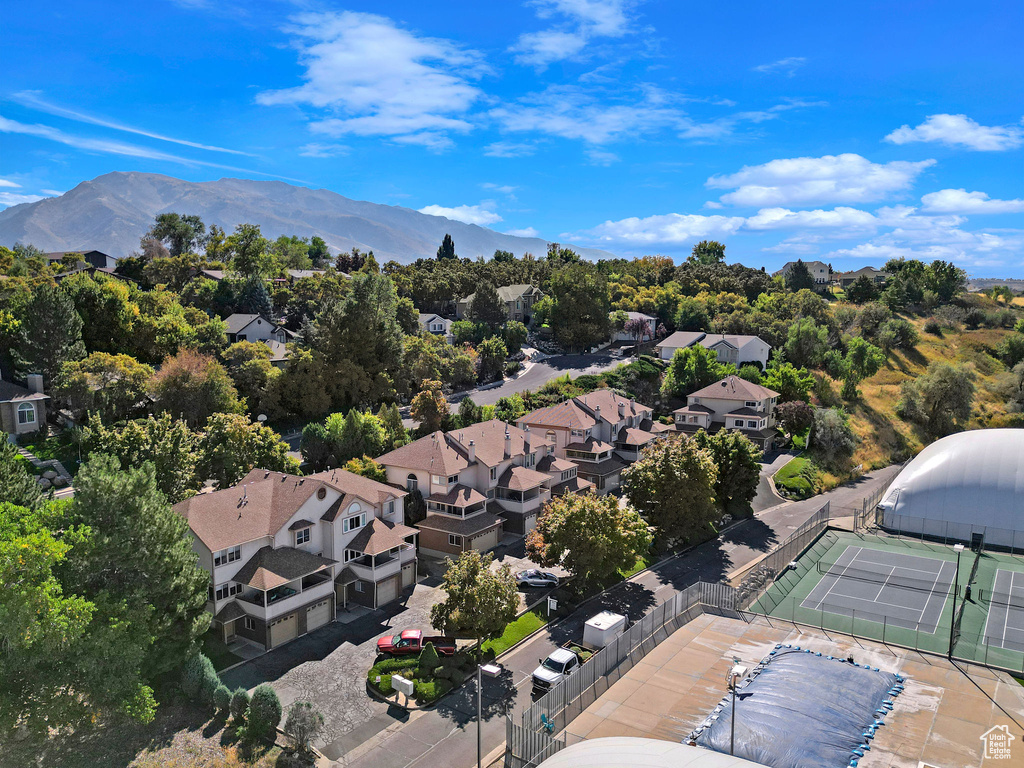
x: 111, y: 213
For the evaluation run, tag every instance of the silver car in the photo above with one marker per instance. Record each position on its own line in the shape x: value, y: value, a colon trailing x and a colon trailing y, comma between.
x: 536, y: 578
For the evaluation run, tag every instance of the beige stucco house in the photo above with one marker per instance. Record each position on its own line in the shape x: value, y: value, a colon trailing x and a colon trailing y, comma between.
x: 284, y: 552
x: 730, y: 348
x: 519, y: 301
x: 732, y: 403
x: 23, y: 409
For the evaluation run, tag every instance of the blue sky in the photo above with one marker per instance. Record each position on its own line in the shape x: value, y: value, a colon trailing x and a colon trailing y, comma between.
x: 847, y: 132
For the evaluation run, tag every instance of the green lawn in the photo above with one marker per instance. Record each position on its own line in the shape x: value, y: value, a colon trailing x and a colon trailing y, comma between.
x: 641, y: 563
x: 61, y: 447
x: 525, y: 625
x: 796, y: 479
x: 31, y: 468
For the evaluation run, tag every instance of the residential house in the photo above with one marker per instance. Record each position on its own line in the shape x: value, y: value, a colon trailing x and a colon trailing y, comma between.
x: 846, y: 279
x: 477, y: 482
x: 732, y: 403
x: 437, y: 325
x: 519, y: 301
x: 601, y: 432
x: 23, y: 409
x: 284, y: 552
x: 731, y: 348
x: 625, y: 335
x: 256, y: 328
x: 95, y: 259
x: 820, y: 271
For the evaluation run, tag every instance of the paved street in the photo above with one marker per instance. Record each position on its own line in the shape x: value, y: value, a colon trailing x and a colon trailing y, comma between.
x: 445, y: 737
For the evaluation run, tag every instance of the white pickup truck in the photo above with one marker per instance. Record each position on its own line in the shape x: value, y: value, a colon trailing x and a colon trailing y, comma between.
x: 555, y: 668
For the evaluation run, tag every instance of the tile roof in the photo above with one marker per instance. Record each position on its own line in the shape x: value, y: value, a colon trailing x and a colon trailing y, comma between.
x: 694, y: 408
x: 552, y: 464
x: 744, y: 412
x: 735, y: 388
x: 357, y: 486
x: 347, y: 576
x: 447, y: 453
x: 12, y: 393
x: 635, y: 436
x: 301, y: 273
x: 572, y: 485
x: 380, y: 536
x: 434, y: 453
x: 278, y: 351
x: 603, y: 468
x: 230, y: 612
x: 238, y: 321
x: 459, y: 496
x: 581, y: 412
x: 521, y: 478
x: 213, y: 274
x: 270, y: 567
x: 683, y: 339
x: 298, y: 525
x: 591, y: 445
x: 462, y: 526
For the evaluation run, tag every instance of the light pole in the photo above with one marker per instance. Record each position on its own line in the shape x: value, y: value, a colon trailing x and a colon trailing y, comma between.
x: 958, y: 548
x: 737, y: 673
x: 491, y: 670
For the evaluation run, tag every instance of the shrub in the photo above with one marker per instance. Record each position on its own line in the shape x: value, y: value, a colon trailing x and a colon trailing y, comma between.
x: 199, y: 679
x: 512, y: 367
x: 932, y: 326
x: 974, y: 317
x: 426, y: 692
x: 428, y: 660
x: 222, y: 698
x: 1011, y: 351
x: 239, y: 704
x: 457, y: 676
x: 264, y: 712
x: 303, y: 724
x: 897, y: 334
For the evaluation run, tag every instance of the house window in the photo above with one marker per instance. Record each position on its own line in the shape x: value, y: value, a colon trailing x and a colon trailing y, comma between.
x: 352, y: 523
x: 26, y: 413
x: 751, y: 403
x: 550, y: 435
x: 454, y: 540
x: 389, y: 508
x: 360, y: 587
x: 250, y: 623
x: 227, y: 590
x: 229, y: 555
x: 411, y: 483
x: 494, y: 473
x: 351, y: 554
x: 752, y: 424
x: 302, y: 536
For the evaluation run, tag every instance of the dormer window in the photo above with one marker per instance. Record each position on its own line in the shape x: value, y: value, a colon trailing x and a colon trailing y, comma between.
x: 302, y: 536
x: 494, y: 473
x: 229, y: 555
x: 389, y: 508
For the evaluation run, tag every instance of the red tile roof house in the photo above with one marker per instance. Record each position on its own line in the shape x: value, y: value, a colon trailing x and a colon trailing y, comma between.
x: 284, y: 552
x: 600, y: 432
x: 732, y: 403
x: 477, y: 482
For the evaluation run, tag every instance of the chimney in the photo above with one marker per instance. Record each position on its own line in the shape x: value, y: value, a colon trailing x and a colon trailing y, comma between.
x: 508, y: 443
x: 35, y: 382
x: 622, y: 409
x: 472, y: 451
x: 526, y: 437
x: 597, y: 412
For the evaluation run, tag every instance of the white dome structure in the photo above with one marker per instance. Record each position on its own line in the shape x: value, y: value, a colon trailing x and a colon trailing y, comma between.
x: 960, y: 487
x: 631, y: 752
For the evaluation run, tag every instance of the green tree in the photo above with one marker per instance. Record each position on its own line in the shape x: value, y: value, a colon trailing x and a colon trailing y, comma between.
x: 139, y: 558
x: 62, y: 663
x: 897, y: 333
x: 795, y: 416
x: 487, y: 306
x: 192, y: 387
x: 354, y: 434
x: 17, y: 486
x: 479, y: 602
x: 514, y: 334
x: 940, y: 401
x: 509, y: 408
x: 318, y: 252
x: 492, y: 358
x: 692, y: 315
x: 180, y: 234
x: 806, y: 343
x: 232, y: 446
x: 367, y: 467
x: 863, y: 359
x: 447, y: 248
x: 799, y: 277
x: 315, y: 446
x: 254, y: 376
x: 707, y: 252
x: 581, y: 305
x: 303, y: 725
x: 239, y: 704
x: 429, y: 407
x: 469, y: 412
x: 739, y: 469
x: 407, y: 316
x: 693, y: 368
x: 249, y: 250
x: 168, y: 444
x: 112, y: 386
x: 590, y: 536
x: 750, y: 372
x: 790, y: 382
x: 107, y: 311
x: 862, y: 290
x: 832, y: 440
x: 264, y: 713
x: 395, y: 434
x: 672, y: 486
x: 51, y: 334
x: 1011, y: 351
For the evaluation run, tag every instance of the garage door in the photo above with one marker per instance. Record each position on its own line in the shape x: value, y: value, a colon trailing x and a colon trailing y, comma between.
x: 283, y: 630
x: 318, y: 615
x: 488, y: 541
x: 387, y: 591
x: 529, y: 523
x: 408, y: 575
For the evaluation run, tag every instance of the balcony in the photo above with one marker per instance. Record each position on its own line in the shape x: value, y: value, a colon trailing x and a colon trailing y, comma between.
x: 280, y: 600
x: 523, y: 502
x: 375, y: 568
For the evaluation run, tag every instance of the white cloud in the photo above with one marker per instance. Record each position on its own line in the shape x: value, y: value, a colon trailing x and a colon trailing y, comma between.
x: 960, y: 131
x: 601, y: 157
x: 315, y: 149
x: 846, y: 178
x: 8, y: 183
x: 32, y: 99
x: 468, y: 214
x: 841, y: 218
x: 509, y: 149
x: 962, y: 201
x: 668, y: 229
x: 787, y: 66
x: 111, y: 147
x: 577, y: 23
x: 527, y: 232
x: 371, y: 78
x: 12, y: 198
x: 505, y: 189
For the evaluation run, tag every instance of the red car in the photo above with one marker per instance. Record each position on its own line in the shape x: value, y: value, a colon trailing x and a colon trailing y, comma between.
x: 412, y: 641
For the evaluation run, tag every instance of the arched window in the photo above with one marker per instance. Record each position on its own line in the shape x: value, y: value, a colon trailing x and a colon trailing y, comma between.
x: 26, y: 413
x: 550, y: 435
x: 353, y: 508
x: 411, y: 483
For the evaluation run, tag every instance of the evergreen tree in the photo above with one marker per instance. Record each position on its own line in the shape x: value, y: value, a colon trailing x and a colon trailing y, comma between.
x: 17, y: 486
x: 446, y: 249
x: 50, y: 334
x: 487, y: 306
x: 318, y: 252
x: 799, y: 277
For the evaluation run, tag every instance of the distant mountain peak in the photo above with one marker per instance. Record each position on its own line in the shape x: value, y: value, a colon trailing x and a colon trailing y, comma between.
x: 111, y: 213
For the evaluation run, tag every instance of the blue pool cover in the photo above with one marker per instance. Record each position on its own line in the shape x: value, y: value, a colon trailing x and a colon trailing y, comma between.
x: 799, y: 709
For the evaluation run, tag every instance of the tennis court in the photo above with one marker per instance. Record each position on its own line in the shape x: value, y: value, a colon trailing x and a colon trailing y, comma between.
x: 888, y: 587
x: 1004, y: 627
